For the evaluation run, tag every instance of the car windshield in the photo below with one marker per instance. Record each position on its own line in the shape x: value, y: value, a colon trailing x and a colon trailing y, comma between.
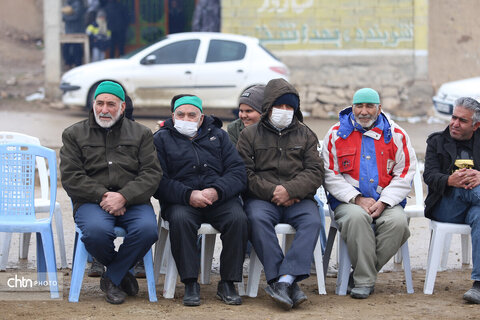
x: 134, y: 52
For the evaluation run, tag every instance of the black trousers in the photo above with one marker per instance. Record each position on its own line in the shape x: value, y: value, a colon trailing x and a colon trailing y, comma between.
x: 228, y: 218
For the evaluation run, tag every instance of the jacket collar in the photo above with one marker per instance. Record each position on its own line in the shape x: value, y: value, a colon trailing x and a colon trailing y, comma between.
x: 348, y: 125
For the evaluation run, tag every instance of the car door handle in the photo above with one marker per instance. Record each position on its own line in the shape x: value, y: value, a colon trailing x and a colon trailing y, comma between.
x: 188, y: 72
x: 240, y: 71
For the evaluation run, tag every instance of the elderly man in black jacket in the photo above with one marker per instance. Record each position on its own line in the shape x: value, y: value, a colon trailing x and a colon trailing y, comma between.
x: 452, y: 173
x: 203, y: 176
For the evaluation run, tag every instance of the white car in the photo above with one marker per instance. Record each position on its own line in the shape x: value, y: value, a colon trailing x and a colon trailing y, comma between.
x: 445, y: 98
x: 215, y: 66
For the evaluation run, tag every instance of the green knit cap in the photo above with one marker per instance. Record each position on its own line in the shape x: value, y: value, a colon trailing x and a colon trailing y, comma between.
x: 193, y: 100
x: 112, y: 88
x: 366, y: 95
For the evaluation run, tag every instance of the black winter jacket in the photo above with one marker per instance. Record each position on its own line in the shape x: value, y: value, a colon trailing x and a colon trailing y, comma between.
x: 439, y: 162
x: 208, y: 160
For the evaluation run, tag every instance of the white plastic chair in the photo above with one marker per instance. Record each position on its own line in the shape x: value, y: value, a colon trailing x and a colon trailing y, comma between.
x: 441, y: 233
x: 17, y: 209
x: 163, y: 256
x: 345, y: 263
x: 42, y: 204
x: 255, y: 267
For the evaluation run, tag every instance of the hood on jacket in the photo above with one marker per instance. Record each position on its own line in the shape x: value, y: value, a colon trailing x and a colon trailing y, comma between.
x: 348, y: 124
x: 274, y: 89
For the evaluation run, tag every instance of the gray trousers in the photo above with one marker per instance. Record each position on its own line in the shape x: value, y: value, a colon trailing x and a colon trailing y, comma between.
x: 370, y: 248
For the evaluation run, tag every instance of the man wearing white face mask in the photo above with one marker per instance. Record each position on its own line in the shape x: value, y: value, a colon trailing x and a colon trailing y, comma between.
x: 203, y: 176
x: 284, y: 172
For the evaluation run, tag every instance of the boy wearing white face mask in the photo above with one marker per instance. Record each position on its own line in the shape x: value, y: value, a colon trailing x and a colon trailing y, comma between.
x: 284, y: 171
x: 203, y: 176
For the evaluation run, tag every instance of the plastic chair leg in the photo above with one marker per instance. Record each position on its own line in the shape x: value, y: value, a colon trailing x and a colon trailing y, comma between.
x: 317, y: 256
x: 208, y: 247
x: 255, y: 268
x: 332, y: 232
x: 344, y: 267
x: 78, y: 270
x: 48, y: 259
x: 24, y: 243
x: 148, y: 263
x: 61, y: 239
x: 171, y: 275
x: 159, y: 250
x: 5, y: 239
x: 466, y: 248
x: 406, y: 267
x: 445, y: 252
x: 434, y: 256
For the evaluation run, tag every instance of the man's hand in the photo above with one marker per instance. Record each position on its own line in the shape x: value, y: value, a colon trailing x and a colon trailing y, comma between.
x: 365, y: 203
x: 113, y: 202
x: 280, y: 195
x: 458, y: 179
x: 119, y: 212
x: 471, y: 178
x: 290, y: 202
x: 211, y: 194
x: 376, y: 209
x: 198, y: 200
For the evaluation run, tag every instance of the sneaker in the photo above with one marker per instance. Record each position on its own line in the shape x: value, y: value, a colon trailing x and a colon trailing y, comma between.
x: 191, y: 298
x: 361, y: 292
x: 129, y: 284
x: 279, y: 292
x: 113, y: 294
x: 96, y: 269
x: 139, y: 269
x: 297, y: 295
x: 472, y: 295
x: 227, y: 293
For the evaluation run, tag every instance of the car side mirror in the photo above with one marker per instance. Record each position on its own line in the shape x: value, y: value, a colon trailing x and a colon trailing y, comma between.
x: 151, y: 59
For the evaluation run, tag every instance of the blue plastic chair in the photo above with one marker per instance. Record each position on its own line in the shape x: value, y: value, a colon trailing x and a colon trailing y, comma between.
x: 17, y: 203
x: 80, y: 261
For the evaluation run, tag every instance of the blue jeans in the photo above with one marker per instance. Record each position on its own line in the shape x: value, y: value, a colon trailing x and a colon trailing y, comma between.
x: 262, y: 218
x: 463, y: 206
x: 97, y: 226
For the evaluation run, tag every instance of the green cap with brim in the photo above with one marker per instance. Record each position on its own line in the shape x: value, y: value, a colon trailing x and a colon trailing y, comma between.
x: 366, y: 95
x: 112, y: 88
x: 193, y: 100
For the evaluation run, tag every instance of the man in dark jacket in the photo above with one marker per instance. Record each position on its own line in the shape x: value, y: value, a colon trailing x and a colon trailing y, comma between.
x: 203, y: 176
x: 284, y: 171
x: 110, y: 171
x: 452, y: 174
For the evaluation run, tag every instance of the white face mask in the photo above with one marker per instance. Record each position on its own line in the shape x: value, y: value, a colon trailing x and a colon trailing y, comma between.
x: 281, y: 118
x: 187, y: 128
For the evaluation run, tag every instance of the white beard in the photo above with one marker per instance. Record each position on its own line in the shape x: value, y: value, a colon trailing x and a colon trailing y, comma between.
x: 107, y: 123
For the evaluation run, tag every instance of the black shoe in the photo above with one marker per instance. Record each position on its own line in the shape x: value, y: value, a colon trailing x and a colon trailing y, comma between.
x: 129, y: 284
x: 227, y: 293
x: 472, y: 295
x: 191, y: 298
x: 113, y: 294
x: 139, y: 269
x: 297, y: 295
x: 96, y: 269
x: 361, y: 292
x: 279, y: 292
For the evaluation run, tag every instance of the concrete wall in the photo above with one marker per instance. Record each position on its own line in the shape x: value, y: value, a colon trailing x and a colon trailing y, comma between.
x: 25, y: 16
x: 454, y: 40
x: 334, y: 48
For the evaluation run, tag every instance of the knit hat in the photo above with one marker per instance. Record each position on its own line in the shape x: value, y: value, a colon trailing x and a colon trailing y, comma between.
x: 112, y: 88
x: 193, y: 100
x: 253, y: 97
x: 366, y: 95
x: 288, y: 99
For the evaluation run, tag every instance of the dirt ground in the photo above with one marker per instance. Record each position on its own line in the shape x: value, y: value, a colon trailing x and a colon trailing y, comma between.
x: 21, y: 74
